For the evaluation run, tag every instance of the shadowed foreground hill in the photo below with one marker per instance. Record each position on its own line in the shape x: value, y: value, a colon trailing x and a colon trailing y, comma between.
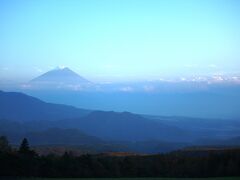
x: 55, y: 136
x: 42, y: 134
x: 154, y: 178
x: 26, y: 163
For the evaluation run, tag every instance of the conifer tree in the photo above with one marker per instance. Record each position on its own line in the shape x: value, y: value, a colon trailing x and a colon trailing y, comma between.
x: 24, y: 147
x: 4, y: 144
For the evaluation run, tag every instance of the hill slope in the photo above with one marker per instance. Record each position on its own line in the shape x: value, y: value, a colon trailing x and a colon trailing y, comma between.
x: 21, y: 107
x: 124, y: 127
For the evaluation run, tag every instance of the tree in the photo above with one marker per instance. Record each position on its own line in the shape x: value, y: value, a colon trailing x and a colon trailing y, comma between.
x: 24, y: 147
x: 4, y: 144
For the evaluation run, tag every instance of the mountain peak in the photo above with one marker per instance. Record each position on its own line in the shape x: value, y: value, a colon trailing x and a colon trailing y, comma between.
x: 61, y: 67
x: 61, y: 75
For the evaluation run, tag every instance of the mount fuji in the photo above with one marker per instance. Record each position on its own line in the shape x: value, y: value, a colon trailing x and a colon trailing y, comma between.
x: 60, y: 78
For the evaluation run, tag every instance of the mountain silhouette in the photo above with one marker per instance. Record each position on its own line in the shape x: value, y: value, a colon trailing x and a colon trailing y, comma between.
x: 42, y: 133
x: 20, y: 107
x: 60, y: 76
x: 61, y: 136
x: 125, y: 126
x: 59, y: 79
x: 102, y: 124
x: 46, y: 123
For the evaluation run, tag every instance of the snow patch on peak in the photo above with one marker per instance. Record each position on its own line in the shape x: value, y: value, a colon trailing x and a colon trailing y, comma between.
x: 60, y: 67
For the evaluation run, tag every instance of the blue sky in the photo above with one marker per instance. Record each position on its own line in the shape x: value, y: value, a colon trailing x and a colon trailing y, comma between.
x: 119, y: 39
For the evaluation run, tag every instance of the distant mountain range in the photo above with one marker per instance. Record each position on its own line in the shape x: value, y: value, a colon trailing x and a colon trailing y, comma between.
x: 106, y: 125
x: 67, y: 79
x: 48, y: 124
x: 125, y: 126
x: 20, y: 107
x: 180, y: 97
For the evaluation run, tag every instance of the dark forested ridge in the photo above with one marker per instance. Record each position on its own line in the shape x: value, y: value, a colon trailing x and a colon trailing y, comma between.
x: 188, y: 163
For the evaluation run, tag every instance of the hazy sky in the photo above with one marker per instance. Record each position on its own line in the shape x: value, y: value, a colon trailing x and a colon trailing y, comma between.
x: 119, y: 39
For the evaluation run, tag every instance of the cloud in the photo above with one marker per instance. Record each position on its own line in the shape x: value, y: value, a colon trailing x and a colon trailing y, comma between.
x: 39, y: 70
x: 75, y: 87
x: 183, y: 79
x: 149, y: 88
x: 5, y: 69
x: 110, y: 66
x: 191, y: 65
x: 127, y: 89
x: 200, y: 66
x: 26, y: 86
x: 212, y: 66
x: 61, y: 67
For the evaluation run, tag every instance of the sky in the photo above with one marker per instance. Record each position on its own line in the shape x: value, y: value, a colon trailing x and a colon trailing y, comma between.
x: 119, y: 39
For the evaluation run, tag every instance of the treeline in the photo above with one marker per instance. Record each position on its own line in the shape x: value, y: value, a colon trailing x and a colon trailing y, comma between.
x: 24, y: 162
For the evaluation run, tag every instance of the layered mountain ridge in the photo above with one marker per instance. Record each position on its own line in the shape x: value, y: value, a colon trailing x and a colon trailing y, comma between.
x: 46, y: 123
